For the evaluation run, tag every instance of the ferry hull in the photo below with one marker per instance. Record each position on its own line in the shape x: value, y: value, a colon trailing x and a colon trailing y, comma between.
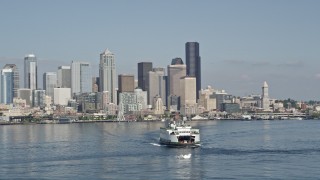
x: 179, y: 145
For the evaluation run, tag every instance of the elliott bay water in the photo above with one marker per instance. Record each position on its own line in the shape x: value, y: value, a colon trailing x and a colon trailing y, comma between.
x: 287, y: 149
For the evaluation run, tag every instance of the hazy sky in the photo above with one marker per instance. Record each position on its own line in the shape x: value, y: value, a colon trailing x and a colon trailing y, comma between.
x: 242, y: 43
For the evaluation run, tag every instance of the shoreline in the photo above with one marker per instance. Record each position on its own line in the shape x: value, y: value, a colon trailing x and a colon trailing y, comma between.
x: 129, y: 121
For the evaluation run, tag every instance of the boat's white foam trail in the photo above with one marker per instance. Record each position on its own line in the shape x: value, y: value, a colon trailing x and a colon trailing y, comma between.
x: 155, y: 144
x: 185, y: 156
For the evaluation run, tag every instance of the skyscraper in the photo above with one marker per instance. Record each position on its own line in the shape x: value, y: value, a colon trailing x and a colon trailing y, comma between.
x: 188, y: 101
x: 143, y: 73
x: 30, y: 72
x: 107, y: 74
x: 38, y: 98
x: 49, y: 83
x: 176, y: 61
x: 176, y: 71
x: 193, y: 62
x: 16, y: 79
x: 265, y: 97
x: 6, y: 86
x: 125, y: 83
x: 80, y: 77
x: 188, y: 91
x: 64, y: 77
x: 157, y: 85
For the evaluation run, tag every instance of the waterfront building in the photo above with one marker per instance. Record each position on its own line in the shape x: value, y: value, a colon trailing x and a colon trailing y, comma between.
x: 87, y: 102
x: 128, y: 102
x: 39, y: 98
x: 173, y: 103
x: 231, y: 107
x: 193, y: 62
x: 25, y: 94
x: 143, y: 75
x: 64, y: 77
x: 189, y: 110
x: 107, y: 75
x: 221, y: 97
x: 158, y: 106
x: 30, y: 72
x: 142, y: 98
x: 61, y: 96
x: 278, y: 107
x: 16, y: 78
x: 80, y: 77
x: 157, y: 85
x: 6, y: 86
x: 111, y: 109
x: 207, y: 100
x: 250, y: 103
x: 49, y: 83
x: 133, y: 102
x: 73, y: 104
x: 265, y: 102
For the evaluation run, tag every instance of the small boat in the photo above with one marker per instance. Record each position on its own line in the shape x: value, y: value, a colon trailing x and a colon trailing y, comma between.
x: 179, y: 135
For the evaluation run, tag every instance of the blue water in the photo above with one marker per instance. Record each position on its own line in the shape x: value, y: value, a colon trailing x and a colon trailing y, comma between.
x: 230, y: 150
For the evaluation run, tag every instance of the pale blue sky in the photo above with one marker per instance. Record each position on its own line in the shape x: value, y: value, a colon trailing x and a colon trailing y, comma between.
x: 242, y: 43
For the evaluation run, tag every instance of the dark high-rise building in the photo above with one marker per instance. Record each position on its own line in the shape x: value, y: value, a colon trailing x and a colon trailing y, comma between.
x: 143, y: 73
x: 193, y: 63
x: 176, y: 61
x: 125, y: 83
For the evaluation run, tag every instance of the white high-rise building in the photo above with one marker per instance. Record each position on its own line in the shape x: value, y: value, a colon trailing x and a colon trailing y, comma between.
x: 49, y: 83
x: 30, y: 72
x: 107, y: 75
x: 142, y: 98
x: 16, y: 80
x: 64, y: 77
x: 265, y: 97
x: 81, y: 77
x: 188, y: 95
x: 6, y: 86
x: 62, y: 96
x: 158, y: 107
x: 188, y: 91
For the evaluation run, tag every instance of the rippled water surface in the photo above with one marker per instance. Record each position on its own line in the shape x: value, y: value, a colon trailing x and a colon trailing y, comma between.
x: 230, y: 150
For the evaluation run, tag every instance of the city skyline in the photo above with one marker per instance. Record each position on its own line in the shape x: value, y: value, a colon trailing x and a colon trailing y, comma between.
x: 242, y: 43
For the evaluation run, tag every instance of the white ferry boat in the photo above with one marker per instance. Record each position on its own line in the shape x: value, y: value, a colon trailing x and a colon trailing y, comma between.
x: 179, y: 135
